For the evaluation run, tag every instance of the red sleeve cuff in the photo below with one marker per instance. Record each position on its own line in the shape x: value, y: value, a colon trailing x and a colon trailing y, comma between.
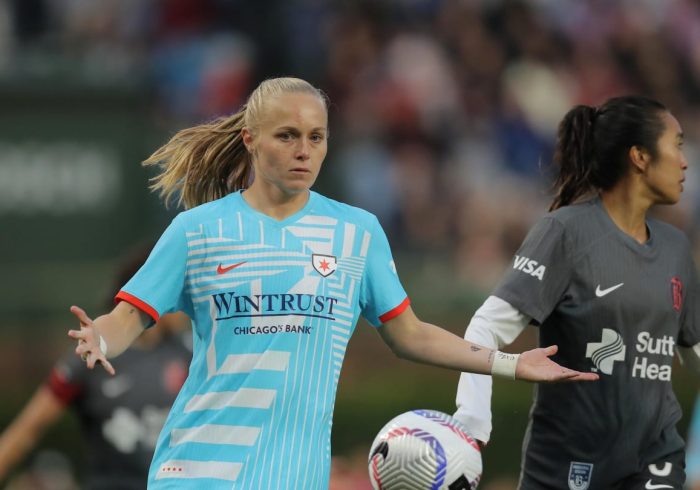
x: 64, y: 391
x: 393, y: 313
x: 141, y: 305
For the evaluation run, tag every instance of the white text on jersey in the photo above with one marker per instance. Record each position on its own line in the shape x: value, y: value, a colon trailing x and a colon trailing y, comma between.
x: 646, y: 344
x: 529, y: 266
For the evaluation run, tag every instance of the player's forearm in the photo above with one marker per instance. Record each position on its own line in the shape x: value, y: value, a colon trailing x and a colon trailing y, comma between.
x: 120, y: 328
x: 22, y: 434
x: 495, y: 324
x: 473, y: 400
x: 430, y: 344
x: 14, y: 445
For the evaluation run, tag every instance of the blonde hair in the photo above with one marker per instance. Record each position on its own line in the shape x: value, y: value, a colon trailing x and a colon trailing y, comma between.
x: 207, y: 162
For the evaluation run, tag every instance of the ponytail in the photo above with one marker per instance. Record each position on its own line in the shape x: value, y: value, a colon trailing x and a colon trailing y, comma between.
x: 574, y: 156
x: 202, y: 163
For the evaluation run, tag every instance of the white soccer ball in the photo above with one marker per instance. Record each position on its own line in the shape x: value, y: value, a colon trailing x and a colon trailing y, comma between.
x: 424, y: 449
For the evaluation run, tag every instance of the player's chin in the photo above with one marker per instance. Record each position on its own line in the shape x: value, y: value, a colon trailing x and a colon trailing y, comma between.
x: 672, y: 196
x: 300, y: 182
x: 669, y: 201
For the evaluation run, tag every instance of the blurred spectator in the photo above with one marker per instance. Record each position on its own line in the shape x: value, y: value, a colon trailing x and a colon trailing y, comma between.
x: 429, y: 95
x: 199, y: 77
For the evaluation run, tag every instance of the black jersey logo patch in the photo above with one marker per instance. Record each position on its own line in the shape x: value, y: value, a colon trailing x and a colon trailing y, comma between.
x: 677, y: 293
x: 580, y: 475
x: 324, y: 264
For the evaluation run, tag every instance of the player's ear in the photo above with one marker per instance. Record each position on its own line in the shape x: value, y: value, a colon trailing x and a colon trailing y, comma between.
x: 248, y: 138
x: 639, y: 158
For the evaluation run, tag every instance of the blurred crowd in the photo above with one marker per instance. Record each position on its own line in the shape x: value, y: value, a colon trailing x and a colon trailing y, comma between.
x: 444, y: 111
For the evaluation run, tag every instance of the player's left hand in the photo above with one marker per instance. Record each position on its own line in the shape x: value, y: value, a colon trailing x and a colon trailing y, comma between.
x: 536, y: 365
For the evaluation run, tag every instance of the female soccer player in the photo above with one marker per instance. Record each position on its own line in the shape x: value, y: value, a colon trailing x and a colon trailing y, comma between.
x: 274, y: 276
x: 616, y: 291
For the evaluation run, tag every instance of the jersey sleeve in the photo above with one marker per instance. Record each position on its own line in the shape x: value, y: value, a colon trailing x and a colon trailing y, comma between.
x: 382, y: 296
x: 159, y: 285
x: 67, y: 379
x: 689, y: 334
x: 540, y: 271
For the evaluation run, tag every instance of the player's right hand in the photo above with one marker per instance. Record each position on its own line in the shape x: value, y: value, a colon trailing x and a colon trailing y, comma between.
x: 88, y: 342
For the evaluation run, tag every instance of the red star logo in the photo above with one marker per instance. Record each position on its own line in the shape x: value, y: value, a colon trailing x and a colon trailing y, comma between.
x: 323, y: 265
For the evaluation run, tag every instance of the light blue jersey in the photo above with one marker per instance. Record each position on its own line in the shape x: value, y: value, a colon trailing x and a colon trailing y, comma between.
x: 274, y: 304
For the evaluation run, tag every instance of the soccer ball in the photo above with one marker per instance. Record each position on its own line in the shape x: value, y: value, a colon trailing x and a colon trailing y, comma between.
x: 424, y: 449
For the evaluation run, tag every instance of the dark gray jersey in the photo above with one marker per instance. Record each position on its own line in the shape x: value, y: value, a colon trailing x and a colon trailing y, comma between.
x: 615, y: 307
x: 122, y: 415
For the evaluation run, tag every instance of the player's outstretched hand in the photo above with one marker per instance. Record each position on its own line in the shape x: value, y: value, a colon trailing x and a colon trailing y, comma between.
x: 88, y: 342
x: 536, y: 365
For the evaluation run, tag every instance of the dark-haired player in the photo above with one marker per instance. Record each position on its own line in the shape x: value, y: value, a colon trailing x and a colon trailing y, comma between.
x: 616, y: 291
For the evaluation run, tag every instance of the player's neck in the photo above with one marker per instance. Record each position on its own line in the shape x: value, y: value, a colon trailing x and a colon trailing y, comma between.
x: 628, y: 211
x: 275, y: 204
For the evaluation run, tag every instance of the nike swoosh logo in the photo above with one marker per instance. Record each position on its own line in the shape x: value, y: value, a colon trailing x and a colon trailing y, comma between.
x: 224, y: 270
x: 602, y: 292
x: 651, y: 486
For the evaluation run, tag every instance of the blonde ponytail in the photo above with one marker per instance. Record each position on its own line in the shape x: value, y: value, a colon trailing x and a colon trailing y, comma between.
x: 202, y: 163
